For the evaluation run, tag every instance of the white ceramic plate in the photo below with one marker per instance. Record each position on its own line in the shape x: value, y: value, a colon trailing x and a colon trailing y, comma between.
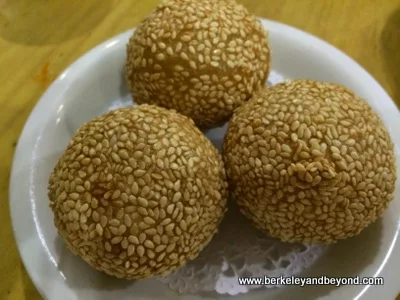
x: 90, y: 86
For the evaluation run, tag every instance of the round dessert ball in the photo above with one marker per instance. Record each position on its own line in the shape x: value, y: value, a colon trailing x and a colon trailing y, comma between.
x: 202, y: 58
x: 309, y: 162
x: 138, y: 192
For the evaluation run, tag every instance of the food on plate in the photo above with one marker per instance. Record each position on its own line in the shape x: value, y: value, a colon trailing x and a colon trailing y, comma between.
x: 309, y: 161
x: 201, y: 58
x: 138, y: 192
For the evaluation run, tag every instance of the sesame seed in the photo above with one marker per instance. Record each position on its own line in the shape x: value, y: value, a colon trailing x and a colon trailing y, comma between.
x: 170, y: 51
x: 184, y: 56
x: 193, y: 65
x: 214, y: 63
x: 160, y: 56
x: 185, y: 38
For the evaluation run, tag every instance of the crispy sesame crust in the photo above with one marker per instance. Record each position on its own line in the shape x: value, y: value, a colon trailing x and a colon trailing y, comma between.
x: 138, y: 192
x: 309, y: 162
x: 202, y: 58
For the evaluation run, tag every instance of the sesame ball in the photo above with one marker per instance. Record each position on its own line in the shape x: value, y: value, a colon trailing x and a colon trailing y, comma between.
x: 309, y: 162
x: 138, y: 192
x: 202, y: 58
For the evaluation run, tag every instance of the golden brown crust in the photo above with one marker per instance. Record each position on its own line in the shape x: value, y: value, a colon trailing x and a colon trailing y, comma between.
x: 202, y: 58
x: 309, y: 161
x: 138, y: 192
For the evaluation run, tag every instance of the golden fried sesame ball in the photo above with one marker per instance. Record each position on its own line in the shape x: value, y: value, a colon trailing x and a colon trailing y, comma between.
x: 203, y: 58
x: 309, y: 162
x: 138, y: 192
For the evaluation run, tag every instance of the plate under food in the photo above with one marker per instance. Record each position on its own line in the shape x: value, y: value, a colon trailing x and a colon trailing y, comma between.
x: 91, y: 85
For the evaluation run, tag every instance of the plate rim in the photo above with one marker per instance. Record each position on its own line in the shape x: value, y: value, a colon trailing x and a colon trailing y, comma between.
x: 388, y: 268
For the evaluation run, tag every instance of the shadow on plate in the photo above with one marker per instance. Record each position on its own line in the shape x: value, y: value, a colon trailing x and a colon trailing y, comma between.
x: 390, y: 41
x: 123, y: 88
x: 28, y: 22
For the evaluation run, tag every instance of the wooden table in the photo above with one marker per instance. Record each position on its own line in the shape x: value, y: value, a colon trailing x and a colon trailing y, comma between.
x: 39, y: 39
